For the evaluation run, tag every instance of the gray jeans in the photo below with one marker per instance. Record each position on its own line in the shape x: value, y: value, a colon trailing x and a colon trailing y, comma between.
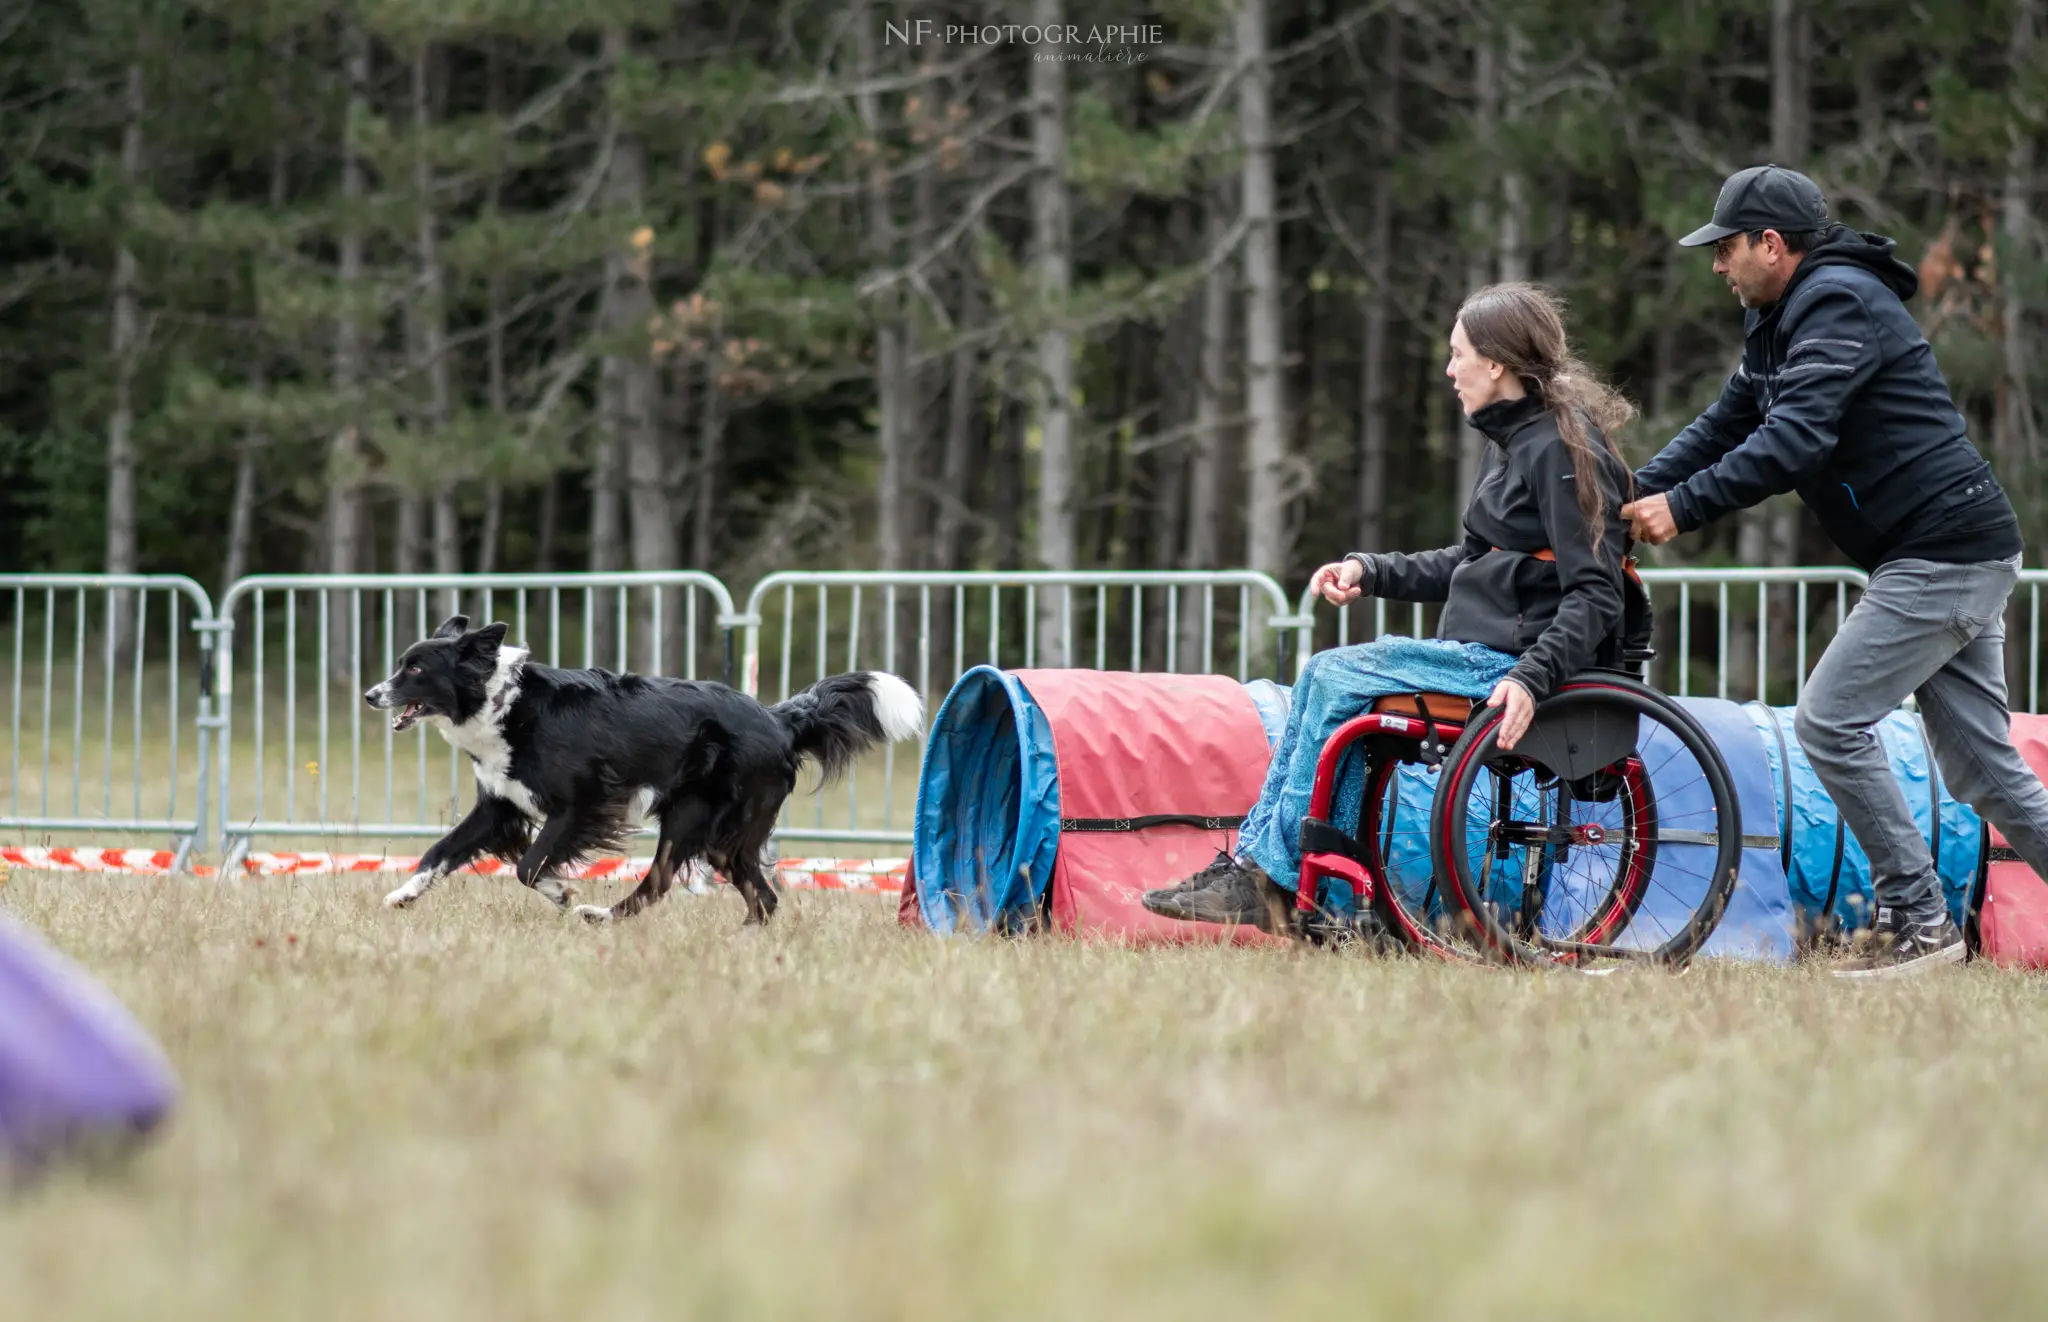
x: 1936, y: 631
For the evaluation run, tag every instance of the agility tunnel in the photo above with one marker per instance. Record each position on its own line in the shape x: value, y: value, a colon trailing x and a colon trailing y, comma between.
x: 1057, y: 797
x: 1061, y: 796
x: 75, y: 1067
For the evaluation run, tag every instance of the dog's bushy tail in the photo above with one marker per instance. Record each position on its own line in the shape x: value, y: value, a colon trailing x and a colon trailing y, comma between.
x: 840, y: 717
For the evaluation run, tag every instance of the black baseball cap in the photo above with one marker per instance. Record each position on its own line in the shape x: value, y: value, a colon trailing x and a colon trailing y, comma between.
x: 1763, y: 197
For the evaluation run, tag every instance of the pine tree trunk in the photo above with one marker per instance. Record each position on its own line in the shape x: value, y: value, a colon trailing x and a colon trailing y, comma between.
x: 631, y: 390
x: 493, y: 527
x: 655, y: 536
x: 710, y: 465
x: 1175, y: 366
x: 1011, y: 479
x: 1055, y: 393
x: 608, y: 456
x: 550, y: 524
x: 2014, y: 443
x: 1791, y: 118
x: 922, y: 440
x: 409, y: 542
x: 1374, y: 367
x: 1479, y: 258
x: 447, y: 535
x: 1512, y: 236
x: 949, y: 549
x: 127, y: 351
x: 890, y: 409
x: 1203, y: 546
x: 343, y: 511
x: 1268, y: 534
x: 429, y: 319
x: 242, y: 508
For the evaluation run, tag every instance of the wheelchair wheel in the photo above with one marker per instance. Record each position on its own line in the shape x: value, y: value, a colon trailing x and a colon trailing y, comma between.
x: 1611, y: 830
x: 1413, y: 906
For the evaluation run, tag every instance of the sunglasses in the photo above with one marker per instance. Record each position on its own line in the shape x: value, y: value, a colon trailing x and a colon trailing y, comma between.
x: 1725, y: 248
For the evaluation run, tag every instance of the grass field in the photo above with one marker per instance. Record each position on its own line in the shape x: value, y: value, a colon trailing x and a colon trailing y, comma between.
x: 474, y: 1110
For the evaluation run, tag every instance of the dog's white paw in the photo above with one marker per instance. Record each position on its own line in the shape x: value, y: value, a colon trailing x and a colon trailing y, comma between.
x: 558, y: 893
x: 593, y: 914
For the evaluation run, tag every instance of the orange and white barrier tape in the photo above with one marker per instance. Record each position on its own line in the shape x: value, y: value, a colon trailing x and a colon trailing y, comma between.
x: 829, y: 874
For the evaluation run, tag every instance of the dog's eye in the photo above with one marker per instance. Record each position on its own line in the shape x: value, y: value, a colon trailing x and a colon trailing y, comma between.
x: 412, y: 670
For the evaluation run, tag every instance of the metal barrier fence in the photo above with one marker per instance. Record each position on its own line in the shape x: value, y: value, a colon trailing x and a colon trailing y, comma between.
x: 1745, y: 633
x: 127, y: 717
x: 298, y: 738
x: 930, y: 628
x: 106, y: 673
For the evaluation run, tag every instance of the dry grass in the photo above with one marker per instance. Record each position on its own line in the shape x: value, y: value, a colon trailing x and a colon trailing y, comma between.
x: 476, y: 1111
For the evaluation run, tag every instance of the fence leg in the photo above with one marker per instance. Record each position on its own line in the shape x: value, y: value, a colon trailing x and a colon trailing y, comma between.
x: 211, y: 723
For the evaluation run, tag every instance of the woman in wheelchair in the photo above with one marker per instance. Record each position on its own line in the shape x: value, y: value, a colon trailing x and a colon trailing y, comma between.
x: 1533, y: 595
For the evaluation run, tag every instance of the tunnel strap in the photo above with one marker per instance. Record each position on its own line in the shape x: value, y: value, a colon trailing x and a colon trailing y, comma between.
x: 1206, y: 823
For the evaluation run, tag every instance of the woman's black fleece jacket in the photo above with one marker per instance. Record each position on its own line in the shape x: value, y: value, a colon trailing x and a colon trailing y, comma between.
x: 1552, y: 615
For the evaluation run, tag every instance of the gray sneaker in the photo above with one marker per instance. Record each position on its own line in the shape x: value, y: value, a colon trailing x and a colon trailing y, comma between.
x: 1227, y: 891
x: 1899, y: 948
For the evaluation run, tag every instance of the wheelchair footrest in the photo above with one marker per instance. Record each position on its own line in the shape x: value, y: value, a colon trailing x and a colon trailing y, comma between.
x: 1319, y: 837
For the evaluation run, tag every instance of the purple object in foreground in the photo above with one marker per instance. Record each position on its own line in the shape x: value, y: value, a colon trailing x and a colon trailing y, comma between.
x: 74, y: 1064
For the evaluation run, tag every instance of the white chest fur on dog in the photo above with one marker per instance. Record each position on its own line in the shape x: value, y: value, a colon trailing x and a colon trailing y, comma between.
x: 482, y: 736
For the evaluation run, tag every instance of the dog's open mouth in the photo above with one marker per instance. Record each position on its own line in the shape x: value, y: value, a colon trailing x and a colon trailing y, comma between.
x: 405, y: 717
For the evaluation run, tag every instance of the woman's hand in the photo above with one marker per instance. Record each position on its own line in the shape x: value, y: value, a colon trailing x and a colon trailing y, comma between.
x: 1338, y: 583
x: 1521, y: 709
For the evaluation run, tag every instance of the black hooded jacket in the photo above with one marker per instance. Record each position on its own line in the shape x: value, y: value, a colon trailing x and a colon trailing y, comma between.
x: 1838, y: 398
x: 1553, y: 615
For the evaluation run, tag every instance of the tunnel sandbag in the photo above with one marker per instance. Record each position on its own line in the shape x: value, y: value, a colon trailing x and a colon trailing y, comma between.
x: 1828, y: 871
x: 1067, y: 794
x: 2011, y: 904
x: 76, y: 1070
x: 1156, y: 772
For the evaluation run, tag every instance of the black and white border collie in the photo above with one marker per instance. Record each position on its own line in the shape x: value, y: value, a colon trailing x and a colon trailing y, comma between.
x: 568, y: 761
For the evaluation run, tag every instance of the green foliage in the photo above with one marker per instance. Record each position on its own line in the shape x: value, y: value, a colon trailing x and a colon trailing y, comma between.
x: 751, y: 235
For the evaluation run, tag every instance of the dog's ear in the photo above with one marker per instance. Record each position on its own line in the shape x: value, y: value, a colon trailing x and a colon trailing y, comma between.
x: 453, y: 627
x: 485, y: 641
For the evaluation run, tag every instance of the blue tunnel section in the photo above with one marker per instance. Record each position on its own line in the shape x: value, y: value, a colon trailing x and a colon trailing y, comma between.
x: 988, y: 807
x: 1828, y: 871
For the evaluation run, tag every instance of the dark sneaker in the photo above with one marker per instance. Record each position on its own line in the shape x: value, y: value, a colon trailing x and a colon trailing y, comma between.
x: 1218, y: 866
x: 1226, y: 891
x: 1900, y: 949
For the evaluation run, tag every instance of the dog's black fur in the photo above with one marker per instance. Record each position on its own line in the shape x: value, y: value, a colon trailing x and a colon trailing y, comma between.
x: 574, y: 753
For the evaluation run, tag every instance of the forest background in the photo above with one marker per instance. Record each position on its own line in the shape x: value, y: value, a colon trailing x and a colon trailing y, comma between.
x: 494, y: 285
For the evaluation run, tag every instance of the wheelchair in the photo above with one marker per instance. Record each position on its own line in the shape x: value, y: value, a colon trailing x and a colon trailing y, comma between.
x: 1610, y: 832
